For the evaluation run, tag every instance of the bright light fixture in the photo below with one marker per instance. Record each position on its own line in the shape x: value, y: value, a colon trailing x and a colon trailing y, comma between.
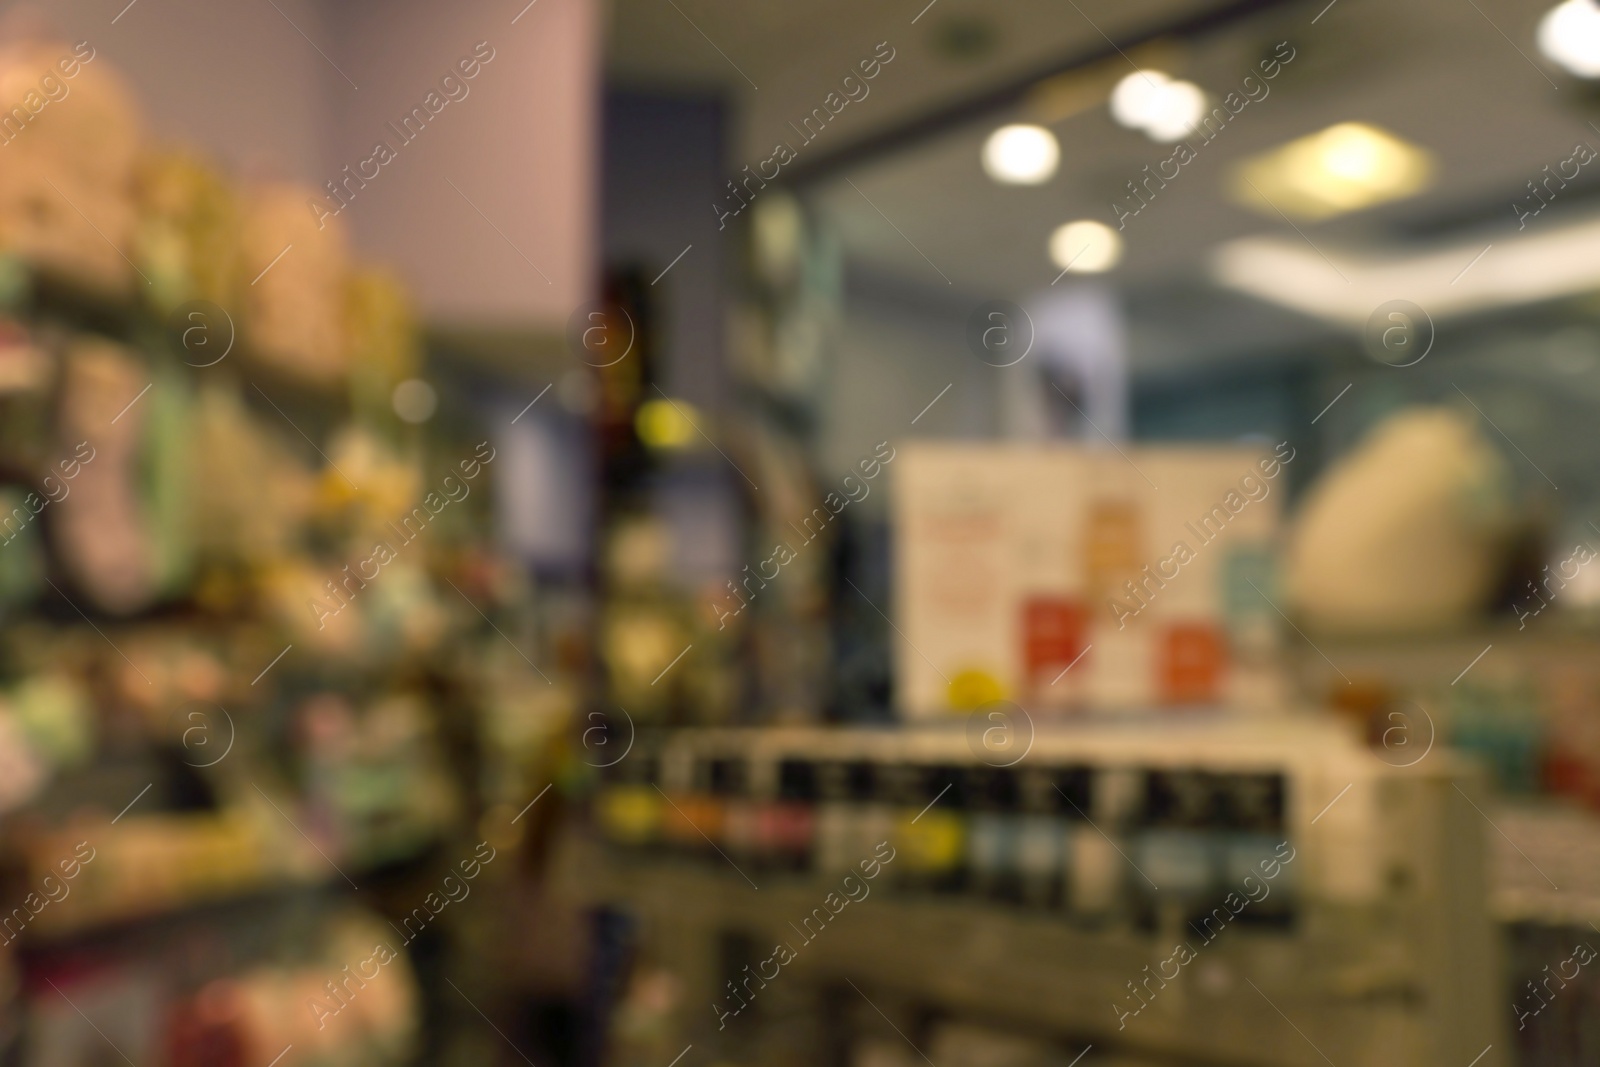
x: 1569, y: 33
x: 1151, y: 101
x: 1527, y: 268
x: 1342, y: 168
x: 1134, y: 101
x: 1085, y: 247
x: 1021, y: 155
x: 1180, y: 106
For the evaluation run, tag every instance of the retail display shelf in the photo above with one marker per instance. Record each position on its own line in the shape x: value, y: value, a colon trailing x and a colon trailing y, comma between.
x: 992, y: 962
x: 92, y: 926
x: 1080, y: 870
x: 1545, y: 865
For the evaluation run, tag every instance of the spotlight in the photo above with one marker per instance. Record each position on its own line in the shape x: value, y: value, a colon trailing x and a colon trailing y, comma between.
x: 1151, y: 101
x: 1135, y: 100
x: 1021, y: 155
x: 1343, y: 168
x: 1179, y: 107
x: 1085, y: 247
x: 1569, y: 34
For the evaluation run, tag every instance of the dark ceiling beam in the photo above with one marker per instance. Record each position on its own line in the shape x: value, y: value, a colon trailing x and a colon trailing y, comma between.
x: 946, y: 117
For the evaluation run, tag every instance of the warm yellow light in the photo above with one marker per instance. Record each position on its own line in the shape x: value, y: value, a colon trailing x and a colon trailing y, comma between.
x: 1085, y: 247
x: 665, y: 424
x: 1342, y: 168
x: 1021, y: 155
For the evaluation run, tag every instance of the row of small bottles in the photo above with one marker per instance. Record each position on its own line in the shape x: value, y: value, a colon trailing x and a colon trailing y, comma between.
x: 1093, y: 842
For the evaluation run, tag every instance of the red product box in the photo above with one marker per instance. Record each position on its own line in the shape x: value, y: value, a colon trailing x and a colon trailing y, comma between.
x: 1055, y: 631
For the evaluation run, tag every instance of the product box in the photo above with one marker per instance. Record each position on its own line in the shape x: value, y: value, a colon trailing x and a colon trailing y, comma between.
x: 1069, y: 578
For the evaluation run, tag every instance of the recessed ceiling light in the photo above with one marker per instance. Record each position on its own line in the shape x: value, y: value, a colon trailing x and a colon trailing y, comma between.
x: 1555, y: 263
x: 1021, y: 155
x: 1134, y: 100
x: 1178, y: 108
x: 1342, y: 168
x: 1152, y: 101
x: 1569, y: 33
x: 1085, y: 247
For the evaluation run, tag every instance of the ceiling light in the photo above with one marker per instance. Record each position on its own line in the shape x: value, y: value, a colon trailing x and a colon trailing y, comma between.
x: 1342, y: 168
x: 1135, y: 101
x: 1523, y: 269
x: 1021, y: 155
x: 1178, y: 108
x: 1151, y: 101
x: 1085, y: 247
x: 1569, y: 33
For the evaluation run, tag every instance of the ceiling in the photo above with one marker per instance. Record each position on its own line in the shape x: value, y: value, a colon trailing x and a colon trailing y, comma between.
x: 1460, y: 77
x: 776, y: 61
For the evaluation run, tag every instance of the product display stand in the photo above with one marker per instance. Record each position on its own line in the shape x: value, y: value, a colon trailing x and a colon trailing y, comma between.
x: 1373, y: 947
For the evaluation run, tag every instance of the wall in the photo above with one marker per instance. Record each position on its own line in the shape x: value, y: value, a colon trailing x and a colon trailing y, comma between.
x: 235, y: 79
x: 269, y: 89
x: 521, y: 146
x: 664, y: 168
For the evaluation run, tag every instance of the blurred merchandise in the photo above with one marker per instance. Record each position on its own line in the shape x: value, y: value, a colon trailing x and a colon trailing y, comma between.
x: 295, y: 306
x: 1273, y: 852
x: 67, y: 190
x: 255, y: 672
x: 1404, y: 533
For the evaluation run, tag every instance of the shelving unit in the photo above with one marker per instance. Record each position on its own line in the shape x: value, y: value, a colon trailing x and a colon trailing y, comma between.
x: 239, y: 768
x: 1389, y: 957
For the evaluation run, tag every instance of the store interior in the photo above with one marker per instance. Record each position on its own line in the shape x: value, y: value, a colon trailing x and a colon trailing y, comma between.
x: 518, y: 518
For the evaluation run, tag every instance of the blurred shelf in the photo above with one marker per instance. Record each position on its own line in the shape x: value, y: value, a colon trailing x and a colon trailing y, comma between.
x: 98, y: 926
x: 1545, y: 863
x: 54, y: 295
x: 1034, y: 968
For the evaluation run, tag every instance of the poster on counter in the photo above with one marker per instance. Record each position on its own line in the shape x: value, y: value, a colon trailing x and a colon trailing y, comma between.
x: 1079, y: 580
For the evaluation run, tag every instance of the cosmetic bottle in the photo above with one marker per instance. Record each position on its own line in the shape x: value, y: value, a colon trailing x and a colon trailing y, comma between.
x: 789, y: 823
x: 899, y: 787
x: 837, y: 812
x: 873, y: 809
x: 679, y: 832
x: 992, y: 833
x: 1042, y: 823
x: 950, y: 828
x: 1096, y: 865
x: 1254, y: 844
x: 735, y: 811
x: 932, y: 823
x: 1175, y: 848
x: 628, y: 805
x: 692, y: 821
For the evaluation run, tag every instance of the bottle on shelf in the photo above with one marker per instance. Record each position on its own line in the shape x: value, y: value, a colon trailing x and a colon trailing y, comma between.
x: 992, y: 833
x: 1043, y: 818
x: 875, y: 808
x: 1177, y: 848
x: 789, y: 823
x: 1096, y: 865
x: 628, y: 806
x: 692, y: 821
x: 932, y: 824
x: 837, y: 816
x: 1253, y: 839
x: 740, y: 802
